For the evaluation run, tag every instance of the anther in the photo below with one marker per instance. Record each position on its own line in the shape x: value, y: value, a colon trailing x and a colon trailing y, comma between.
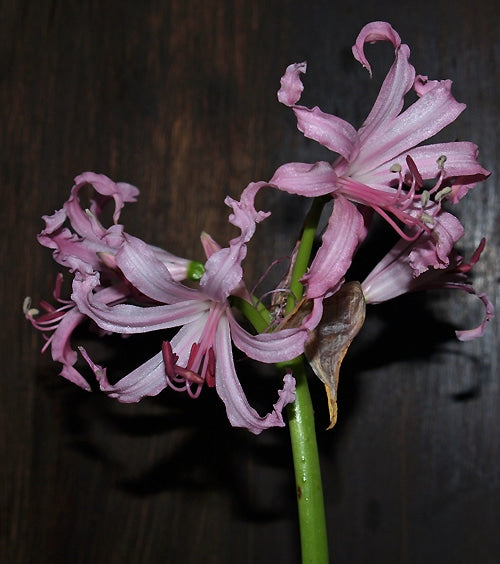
x: 27, y: 309
x: 427, y: 219
x: 442, y: 193
x: 441, y: 160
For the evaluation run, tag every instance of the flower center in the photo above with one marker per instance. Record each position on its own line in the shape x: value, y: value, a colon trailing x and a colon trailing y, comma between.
x: 200, y: 366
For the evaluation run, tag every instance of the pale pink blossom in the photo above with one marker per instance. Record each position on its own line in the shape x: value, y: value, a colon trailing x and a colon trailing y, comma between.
x: 82, y: 244
x: 381, y: 166
x: 201, y: 352
x: 396, y: 274
x: 79, y: 240
x: 373, y: 166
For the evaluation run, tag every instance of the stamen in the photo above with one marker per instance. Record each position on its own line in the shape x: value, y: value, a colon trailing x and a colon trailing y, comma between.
x: 441, y: 160
x: 195, y: 348
x: 169, y: 358
x: 210, y: 372
x: 27, y: 309
x: 414, y: 171
x: 396, y: 227
x: 266, y: 272
x: 172, y: 370
x: 396, y: 167
x: 191, y: 376
x: 442, y: 193
x: 94, y: 220
x: 427, y: 219
x: 425, y: 198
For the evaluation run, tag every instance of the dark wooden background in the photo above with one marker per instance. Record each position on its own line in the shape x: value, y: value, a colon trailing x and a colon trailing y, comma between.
x: 179, y: 98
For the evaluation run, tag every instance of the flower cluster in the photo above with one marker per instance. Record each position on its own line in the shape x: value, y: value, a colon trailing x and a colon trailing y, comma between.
x: 123, y: 285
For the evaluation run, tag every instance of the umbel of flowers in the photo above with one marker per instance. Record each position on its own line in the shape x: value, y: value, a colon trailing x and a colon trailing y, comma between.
x: 121, y: 284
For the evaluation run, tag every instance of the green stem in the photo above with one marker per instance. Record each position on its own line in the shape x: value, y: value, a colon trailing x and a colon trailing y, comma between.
x: 257, y: 314
x: 312, y: 519
x: 311, y: 509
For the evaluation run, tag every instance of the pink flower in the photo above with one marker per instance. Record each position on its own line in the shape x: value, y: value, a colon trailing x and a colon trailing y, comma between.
x: 81, y: 243
x: 380, y: 166
x: 201, y: 352
x: 87, y: 245
x: 373, y: 167
x: 399, y: 272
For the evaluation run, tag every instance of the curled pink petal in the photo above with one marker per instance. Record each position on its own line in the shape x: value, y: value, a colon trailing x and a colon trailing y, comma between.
x: 223, y: 271
x: 239, y: 412
x: 305, y: 179
x: 278, y: 346
x: 390, y: 99
x: 330, y: 131
x: 469, y: 334
x: 334, y: 133
x: 291, y: 85
x: 244, y: 215
x: 121, y: 192
x: 147, y: 380
x: 456, y: 160
x: 372, y: 32
x: 345, y: 231
x: 423, y: 85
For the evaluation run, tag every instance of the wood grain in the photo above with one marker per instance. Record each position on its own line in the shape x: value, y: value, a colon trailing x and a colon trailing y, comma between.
x: 179, y: 98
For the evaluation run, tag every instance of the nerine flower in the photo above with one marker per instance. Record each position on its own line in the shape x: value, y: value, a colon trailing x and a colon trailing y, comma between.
x: 398, y: 273
x: 81, y: 243
x: 381, y: 165
x: 79, y: 240
x: 201, y: 352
